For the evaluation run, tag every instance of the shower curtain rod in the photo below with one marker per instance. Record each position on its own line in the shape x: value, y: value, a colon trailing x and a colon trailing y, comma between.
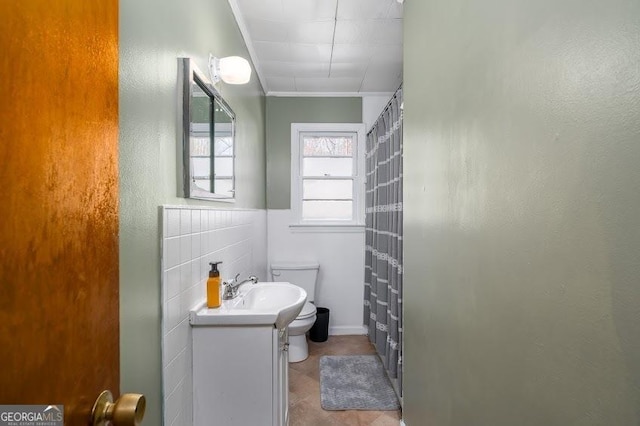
x: 395, y: 95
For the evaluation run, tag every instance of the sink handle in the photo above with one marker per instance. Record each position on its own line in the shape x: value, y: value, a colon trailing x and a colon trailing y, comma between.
x: 232, y: 281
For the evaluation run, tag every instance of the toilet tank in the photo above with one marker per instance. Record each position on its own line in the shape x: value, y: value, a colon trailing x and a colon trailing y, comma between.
x: 302, y: 274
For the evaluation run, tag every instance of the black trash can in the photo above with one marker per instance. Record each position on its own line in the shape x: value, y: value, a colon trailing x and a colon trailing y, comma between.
x: 320, y: 330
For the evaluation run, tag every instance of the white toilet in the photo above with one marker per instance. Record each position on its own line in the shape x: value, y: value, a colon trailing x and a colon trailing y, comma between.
x: 302, y: 274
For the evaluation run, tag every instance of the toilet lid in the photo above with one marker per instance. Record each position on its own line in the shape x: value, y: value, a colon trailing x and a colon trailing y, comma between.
x: 307, y: 310
x: 294, y: 265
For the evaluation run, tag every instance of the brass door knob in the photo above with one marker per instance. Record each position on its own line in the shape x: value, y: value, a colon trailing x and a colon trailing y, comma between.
x: 128, y: 410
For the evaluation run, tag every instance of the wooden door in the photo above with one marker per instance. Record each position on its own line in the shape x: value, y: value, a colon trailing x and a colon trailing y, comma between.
x: 59, y: 185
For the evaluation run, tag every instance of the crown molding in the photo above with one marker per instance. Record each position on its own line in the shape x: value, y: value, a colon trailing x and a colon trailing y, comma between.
x: 244, y: 31
x: 327, y: 94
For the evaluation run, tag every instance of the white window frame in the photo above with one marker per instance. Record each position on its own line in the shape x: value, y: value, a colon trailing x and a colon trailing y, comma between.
x: 357, y: 223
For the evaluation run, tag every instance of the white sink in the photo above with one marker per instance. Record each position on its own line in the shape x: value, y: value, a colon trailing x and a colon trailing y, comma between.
x: 268, y: 303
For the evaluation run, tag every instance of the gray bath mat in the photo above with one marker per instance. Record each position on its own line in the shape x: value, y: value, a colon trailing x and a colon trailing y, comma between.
x: 355, y: 382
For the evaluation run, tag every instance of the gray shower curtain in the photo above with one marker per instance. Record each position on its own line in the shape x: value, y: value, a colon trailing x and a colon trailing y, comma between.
x: 383, y: 255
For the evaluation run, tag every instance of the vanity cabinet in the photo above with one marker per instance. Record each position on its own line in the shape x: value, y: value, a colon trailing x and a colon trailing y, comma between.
x: 240, y: 375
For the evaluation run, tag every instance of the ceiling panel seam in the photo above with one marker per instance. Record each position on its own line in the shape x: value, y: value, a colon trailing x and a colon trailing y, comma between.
x: 333, y: 38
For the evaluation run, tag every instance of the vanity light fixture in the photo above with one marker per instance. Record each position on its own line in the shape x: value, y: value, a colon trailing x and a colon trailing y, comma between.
x: 231, y: 69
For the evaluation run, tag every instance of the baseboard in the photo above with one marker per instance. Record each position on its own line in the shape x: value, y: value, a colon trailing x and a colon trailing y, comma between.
x: 402, y: 423
x: 341, y: 330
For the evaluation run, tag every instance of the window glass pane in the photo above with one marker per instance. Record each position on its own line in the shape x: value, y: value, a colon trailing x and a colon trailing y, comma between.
x: 327, y: 210
x: 223, y: 186
x: 327, y: 166
x: 224, y: 166
x: 327, y: 146
x: 201, y: 167
x: 199, y: 146
x: 223, y: 146
x: 203, y: 184
x: 327, y: 189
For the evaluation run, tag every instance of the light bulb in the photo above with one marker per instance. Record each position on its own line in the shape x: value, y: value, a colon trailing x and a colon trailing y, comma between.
x: 234, y: 70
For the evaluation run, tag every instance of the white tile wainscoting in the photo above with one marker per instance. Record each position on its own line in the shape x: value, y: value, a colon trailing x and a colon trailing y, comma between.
x: 193, y: 236
x: 340, y: 285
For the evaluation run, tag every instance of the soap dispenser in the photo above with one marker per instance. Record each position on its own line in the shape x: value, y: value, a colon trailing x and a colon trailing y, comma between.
x: 213, y: 286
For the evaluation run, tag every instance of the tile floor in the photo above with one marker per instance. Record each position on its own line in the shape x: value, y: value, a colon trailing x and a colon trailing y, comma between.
x: 304, y: 388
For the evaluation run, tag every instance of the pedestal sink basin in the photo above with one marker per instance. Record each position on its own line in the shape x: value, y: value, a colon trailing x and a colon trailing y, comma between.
x: 276, y: 303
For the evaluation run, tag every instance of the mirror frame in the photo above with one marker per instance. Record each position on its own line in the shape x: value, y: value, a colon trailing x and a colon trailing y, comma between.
x: 191, y: 75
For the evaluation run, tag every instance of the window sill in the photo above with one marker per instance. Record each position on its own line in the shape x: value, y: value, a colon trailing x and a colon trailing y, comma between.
x: 326, y: 227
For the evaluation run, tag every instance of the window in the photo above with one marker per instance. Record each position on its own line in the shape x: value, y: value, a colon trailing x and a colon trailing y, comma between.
x: 223, y: 163
x: 202, y: 159
x: 327, y: 174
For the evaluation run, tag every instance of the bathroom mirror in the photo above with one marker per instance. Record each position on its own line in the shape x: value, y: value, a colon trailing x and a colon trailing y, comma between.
x: 208, y: 136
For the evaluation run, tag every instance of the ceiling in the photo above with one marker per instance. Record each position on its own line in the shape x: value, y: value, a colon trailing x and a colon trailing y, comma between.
x: 306, y: 47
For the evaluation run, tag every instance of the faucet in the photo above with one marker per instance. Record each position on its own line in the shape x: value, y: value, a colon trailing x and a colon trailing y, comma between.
x: 232, y: 286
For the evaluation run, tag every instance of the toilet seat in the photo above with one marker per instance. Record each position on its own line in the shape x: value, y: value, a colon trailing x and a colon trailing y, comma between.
x: 308, y: 310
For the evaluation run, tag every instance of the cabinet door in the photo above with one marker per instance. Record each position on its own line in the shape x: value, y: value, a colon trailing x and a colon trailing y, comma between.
x: 233, y: 376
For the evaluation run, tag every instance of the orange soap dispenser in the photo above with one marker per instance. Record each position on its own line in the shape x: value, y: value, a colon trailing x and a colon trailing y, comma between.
x: 213, y: 286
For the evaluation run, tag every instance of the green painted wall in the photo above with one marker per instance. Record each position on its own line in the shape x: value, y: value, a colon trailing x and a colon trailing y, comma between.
x: 281, y: 112
x: 522, y: 243
x: 153, y: 34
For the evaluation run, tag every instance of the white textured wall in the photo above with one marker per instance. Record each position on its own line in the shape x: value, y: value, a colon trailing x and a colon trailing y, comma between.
x: 372, y: 106
x: 191, y: 238
x: 340, y: 284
